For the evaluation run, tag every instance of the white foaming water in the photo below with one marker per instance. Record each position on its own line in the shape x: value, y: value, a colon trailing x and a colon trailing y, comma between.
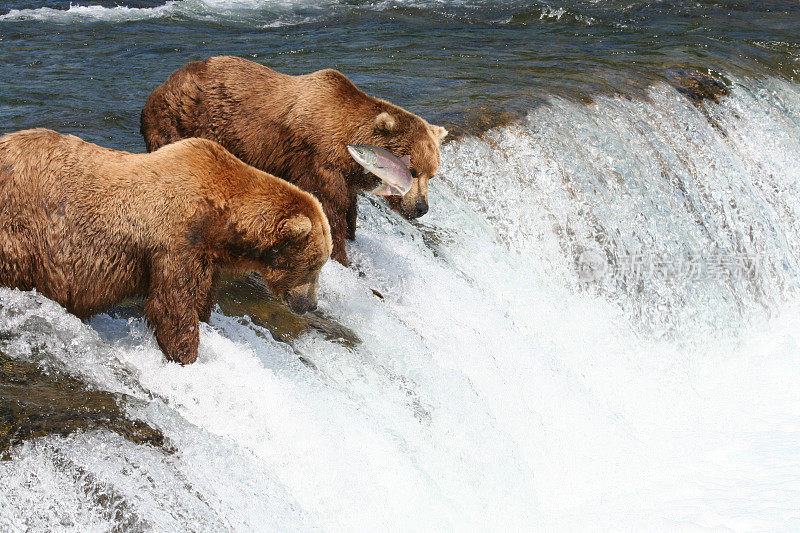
x: 271, y: 14
x: 492, y: 388
x: 79, y: 13
x: 231, y: 11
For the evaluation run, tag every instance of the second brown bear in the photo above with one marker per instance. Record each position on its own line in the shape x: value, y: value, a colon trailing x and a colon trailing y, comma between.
x: 87, y: 226
x: 296, y: 127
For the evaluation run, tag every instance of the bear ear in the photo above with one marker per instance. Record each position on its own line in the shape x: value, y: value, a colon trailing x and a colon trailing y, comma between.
x: 385, y: 122
x: 439, y: 133
x: 294, y: 228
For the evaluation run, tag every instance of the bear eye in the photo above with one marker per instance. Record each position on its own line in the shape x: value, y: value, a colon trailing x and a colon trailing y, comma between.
x: 414, y: 173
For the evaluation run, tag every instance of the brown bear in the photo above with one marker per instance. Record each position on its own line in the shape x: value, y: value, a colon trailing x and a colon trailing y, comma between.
x: 296, y: 127
x: 88, y: 226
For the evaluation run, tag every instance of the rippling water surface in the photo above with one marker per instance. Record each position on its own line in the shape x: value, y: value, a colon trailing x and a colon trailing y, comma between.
x: 596, y: 327
x: 99, y: 60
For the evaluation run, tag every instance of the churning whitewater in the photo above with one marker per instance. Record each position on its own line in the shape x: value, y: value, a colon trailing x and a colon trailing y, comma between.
x: 496, y: 386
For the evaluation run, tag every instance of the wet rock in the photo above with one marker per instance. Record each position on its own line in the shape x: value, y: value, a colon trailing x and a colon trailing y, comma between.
x: 239, y: 296
x: 35, y: 403
x: 476, y: 121
x: 697, y: 86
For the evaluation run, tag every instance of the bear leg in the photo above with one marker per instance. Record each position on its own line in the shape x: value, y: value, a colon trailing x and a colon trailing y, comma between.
x: 176, y: 299
x: 338, y: 222
x: 204, y: 313
x: 176, y: 330
x: 335, y: 198
x: 352, y: 215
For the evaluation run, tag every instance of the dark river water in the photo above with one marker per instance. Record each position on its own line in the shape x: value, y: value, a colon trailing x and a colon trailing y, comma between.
x: 85, y: 69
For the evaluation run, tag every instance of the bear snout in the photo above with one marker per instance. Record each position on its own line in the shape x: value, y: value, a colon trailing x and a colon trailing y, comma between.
x: 417, y: 209
x: 300, y: 304
x: 302, y: 299
x: 420, y: 208
x: 415, y: 202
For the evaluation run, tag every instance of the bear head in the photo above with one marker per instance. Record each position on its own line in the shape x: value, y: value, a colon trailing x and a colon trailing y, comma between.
x: 405, y: 134
x: 283, y: 235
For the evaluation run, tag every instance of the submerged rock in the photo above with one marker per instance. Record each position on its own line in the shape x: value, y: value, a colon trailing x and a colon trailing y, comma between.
x: 697, y: 86
x: 478, y: 120
x: 239, y: 296
x: 36, y: 403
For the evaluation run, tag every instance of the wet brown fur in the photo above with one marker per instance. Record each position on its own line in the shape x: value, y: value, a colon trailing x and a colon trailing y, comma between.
x: 296, y: 127
x: 87, y: 226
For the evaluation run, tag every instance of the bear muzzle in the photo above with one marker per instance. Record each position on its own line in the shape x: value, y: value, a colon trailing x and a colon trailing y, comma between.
x: 414, y: 207
x: 420, y: 208
x: 302, y: 299
x: 415, y: 202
